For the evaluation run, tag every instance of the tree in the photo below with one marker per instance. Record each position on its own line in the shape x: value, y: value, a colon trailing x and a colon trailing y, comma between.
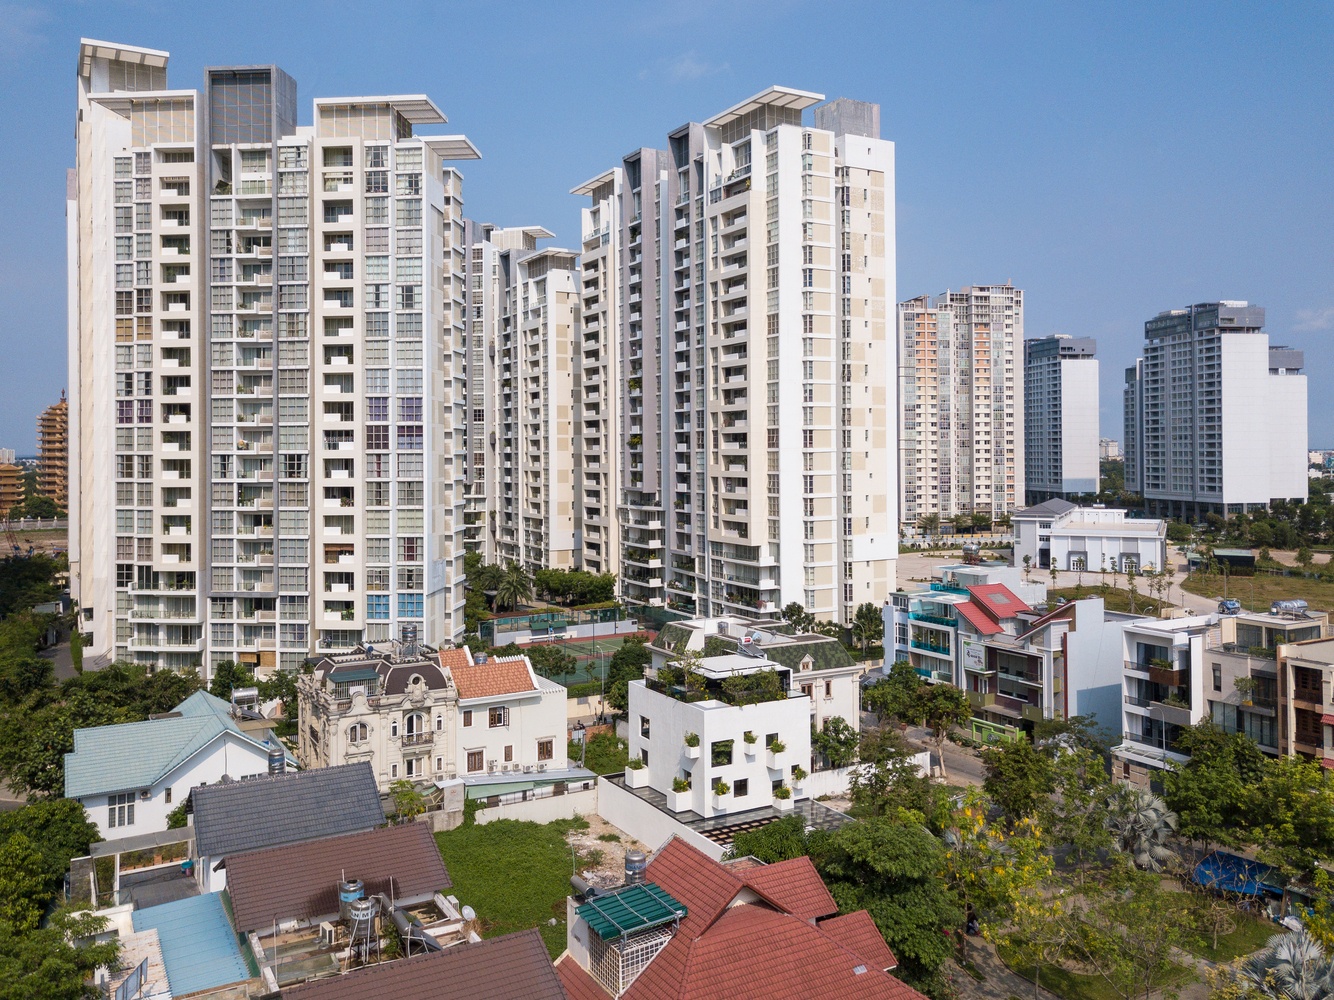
x: 179, y: 817
x: 1019, y: 778
x: 896, y: 695
x: 24, y: 891
x: 929, y: 523
x: 781, y: 840
x: 551, y: 661
x: 627, y: 664
x: 1212, y: 792
x: 837, y: 741
x: 280, y: 686
x: 796, y: 615
x: 867, y: 625
x: 962, y: 523
x: 980, y: 521
x: 1076, y: 815
x: 1290, y: 967
x: 893, y: 870
x: 45, y: 964
x: 409, y: 803
x: 37, y: 506
x: 1141, y: 826
x: 1074, y: 731
x: 58, y: 828
x: 1304, y: 557
x: 1028, y: 569
x: 1293, y: 816
x: 227, y: 677
x: 886, y: 779
x: 1122, y: 936
x: 514, y: 587
x: 488, y: 579
x: 36, y: 734
x: 942, y: 707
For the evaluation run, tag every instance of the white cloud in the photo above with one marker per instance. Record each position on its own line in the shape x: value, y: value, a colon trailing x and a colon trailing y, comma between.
x: 1310, y: 320
x: 689, y: 66
x: 19, y: 34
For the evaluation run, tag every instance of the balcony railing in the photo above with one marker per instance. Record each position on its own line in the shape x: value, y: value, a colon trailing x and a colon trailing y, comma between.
x: 418, y: 739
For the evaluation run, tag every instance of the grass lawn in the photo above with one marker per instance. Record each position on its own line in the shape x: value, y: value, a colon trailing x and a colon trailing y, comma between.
x: 1249, y: 935
x: 514, y: 874
x: 1073, y: 986
x: 1115, y: 599
x: 1262, y: 589
x: 607, y: 754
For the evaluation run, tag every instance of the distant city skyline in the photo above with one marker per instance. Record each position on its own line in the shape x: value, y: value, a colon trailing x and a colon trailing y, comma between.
x: 1110, y: 182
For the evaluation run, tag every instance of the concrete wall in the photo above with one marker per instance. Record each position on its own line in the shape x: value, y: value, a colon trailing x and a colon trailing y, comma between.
x: 626, y: 811
x: 590, y: 630
x: 1094, y: 670
x: 544, y: 810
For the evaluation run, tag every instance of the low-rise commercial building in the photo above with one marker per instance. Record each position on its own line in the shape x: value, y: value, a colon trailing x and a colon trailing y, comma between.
x: 1061, y: 534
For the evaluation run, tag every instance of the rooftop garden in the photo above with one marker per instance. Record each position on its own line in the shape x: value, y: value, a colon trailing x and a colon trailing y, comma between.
x: 685, y: 683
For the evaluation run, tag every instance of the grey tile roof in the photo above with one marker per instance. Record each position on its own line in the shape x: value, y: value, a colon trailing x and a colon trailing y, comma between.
x: 277, y: 809
x: 1048, y: 508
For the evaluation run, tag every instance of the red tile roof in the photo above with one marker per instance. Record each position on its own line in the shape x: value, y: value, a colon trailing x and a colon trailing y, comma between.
x: 299, y: 881
x: 858, y: 933
x: 997, y: 600
x: 977, y: 618
x: 753, y: 951
x: 459, y: 657
x: 497, y: 676
x: 730, y: 948
x: 511, y: 967
x: 795, y: 886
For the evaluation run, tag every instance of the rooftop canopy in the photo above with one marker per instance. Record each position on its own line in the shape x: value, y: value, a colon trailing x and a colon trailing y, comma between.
x: 634, y: 908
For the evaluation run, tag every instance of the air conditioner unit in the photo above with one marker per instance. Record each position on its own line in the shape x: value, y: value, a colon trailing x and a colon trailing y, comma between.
x: 327, y: 934
x: 491, y: 767
x: 528, y: 769
x: 144, y: 793
x: 541, y: 767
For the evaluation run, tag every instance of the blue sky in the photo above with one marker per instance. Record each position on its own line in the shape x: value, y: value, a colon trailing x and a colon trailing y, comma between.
x: 1113, y: 160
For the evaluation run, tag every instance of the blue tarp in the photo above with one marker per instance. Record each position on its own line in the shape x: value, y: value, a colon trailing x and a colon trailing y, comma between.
x: 1225, y: 872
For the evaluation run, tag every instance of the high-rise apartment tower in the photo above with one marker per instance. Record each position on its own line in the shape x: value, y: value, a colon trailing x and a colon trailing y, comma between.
x: 1060, y: 417
x: 53, y: 452
x: 961, y: 435
x: 265, y: 367
x: 522, y: 335
x: 1215, y: 418
x: 738, y: 363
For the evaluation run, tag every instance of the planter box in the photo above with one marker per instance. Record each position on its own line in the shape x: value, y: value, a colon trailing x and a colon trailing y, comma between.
x: 784, y: 805
x: 720, y: 801
x: 773, y: 760
x: 678, y: 801
x: 692, y: 753
x: 751, y: 749
x: 636, y: 777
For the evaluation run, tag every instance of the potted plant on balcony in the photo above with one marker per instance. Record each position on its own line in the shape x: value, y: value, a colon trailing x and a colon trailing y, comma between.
x: 776, y: 749
x: 783, y: 799
x: 636, y: 773
x: 1246, y: 686
x: 749, y: 739
x: 798, y: 776
x: 679, y: 799
x: 692, y: 746
x: 721, y: 790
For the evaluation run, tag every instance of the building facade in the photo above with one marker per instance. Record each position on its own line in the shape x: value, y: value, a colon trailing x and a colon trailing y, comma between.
x: 1215, y: 417
x: 737, y: 411
x: 266, y: 355
x: 523, y: 471
x: 53, y: 452
x: 413, y: 713
x: 1092, y: 539
x: 1061, y: 445
x: 961, y: 433
x: 11, y: 488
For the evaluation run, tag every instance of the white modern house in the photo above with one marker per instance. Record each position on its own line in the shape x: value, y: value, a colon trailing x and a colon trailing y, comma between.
x: 1164, y: 691
x: 1062, y: 534
x: 129, y: 777
x: 716, y: 736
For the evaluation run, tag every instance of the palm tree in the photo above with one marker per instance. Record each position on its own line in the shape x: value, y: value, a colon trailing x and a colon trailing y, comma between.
x: 488, y: 578
x: 515, y: 585
x: 1141, y: 825
x: 1291, y: 967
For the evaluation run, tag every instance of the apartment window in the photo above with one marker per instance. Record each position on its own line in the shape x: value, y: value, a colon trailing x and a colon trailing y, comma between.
x: 120, y: 809
x: 1218, y: 677
x: 643, y: 726
x: 377, y: 607
x: 720, y: 753
x: 476, y: 758
x: 741, y: 787
x: 393, y: 770
x: 498, y: 718
x: 546, y: 750
x: 357, y: 733
x: 467, y: 718
x: 410, y: 605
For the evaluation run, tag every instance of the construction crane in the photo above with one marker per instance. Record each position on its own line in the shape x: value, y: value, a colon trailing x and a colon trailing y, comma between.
x: 13, y: 540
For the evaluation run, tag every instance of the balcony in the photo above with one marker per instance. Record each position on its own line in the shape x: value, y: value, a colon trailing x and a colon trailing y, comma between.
x: 1170, y: 712
x: 417, y: 740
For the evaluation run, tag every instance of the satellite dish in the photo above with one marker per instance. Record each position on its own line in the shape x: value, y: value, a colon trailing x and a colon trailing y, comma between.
x: 469, y: 913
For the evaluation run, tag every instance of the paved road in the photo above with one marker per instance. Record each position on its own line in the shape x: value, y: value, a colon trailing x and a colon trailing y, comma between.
x: 962, y: 767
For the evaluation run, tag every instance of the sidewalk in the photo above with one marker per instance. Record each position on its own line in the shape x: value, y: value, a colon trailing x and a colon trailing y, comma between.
x: 1000, y: 983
